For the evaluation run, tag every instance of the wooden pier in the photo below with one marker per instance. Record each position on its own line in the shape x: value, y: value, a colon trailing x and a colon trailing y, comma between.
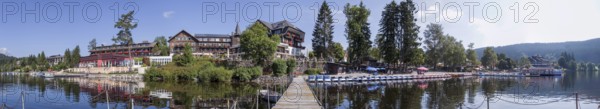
x: 298, y: 96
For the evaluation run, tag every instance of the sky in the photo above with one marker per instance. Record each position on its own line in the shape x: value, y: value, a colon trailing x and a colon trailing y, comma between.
x: 33, y: 26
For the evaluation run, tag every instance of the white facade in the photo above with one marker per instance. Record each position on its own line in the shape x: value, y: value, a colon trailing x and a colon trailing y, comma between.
x: 160, y: 60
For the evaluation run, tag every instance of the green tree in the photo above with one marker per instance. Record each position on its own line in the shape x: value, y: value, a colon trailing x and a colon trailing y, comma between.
x: 357, y: 32
x: 433, y: 38
x: 42, y: 62
x: 567, y: 60
x: 374, y: 53
x: 92, y: 44
x: 257, y: 45
x: 524, y: 62
x: 387, y: 41
x: 489, y: 58
x: 453, y: 52
x: 410, y: 40
x: 291, y: 65
x: 323, y: 32
x: 472, y: 56
x: 279, y: 67
x: 124, y: 37
x: 67, y: 59
x: 419, y: 58
x: 504, y: 63
x: 337, y: 50
x: 32, y: 63
x: 186, y: 58
x: 161, y: 48
x: 312, y: 55
x: 75, y: 56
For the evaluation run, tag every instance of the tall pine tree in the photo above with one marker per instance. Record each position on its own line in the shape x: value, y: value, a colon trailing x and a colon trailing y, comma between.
x: 389, y: 31
x: 43, y: 64
x: 75, y: 56
x: 67, y: 59
x: 410, y: 39
x: 357, y: 33
x: 323, y: 32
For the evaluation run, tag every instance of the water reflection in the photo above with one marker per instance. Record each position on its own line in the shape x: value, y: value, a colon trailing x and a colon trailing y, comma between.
x: 474, y: 92
x: 80, y: 93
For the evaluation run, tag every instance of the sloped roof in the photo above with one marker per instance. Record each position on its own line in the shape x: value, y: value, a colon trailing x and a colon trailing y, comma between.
x: 237, y: 29
x: 211, y: 35
x: 279, y: 25
x: 182, y: 32
x: 267, y: 24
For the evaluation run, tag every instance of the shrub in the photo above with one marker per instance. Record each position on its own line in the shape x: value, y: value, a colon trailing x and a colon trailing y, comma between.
x: 247, y: 73
x: 215, y: 74
x: 279, y: 67
x: 313, y: 71
x: 152, y: 73
x: 291, y: 65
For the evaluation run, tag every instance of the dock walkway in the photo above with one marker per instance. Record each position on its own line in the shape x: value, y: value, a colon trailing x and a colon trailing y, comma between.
x: 298, y: 96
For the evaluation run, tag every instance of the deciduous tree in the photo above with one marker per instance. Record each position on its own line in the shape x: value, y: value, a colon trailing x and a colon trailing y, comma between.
x: 489, y: 58
x: 161, y: 48
x: 337, y: 50
x: 433, y: 36
x: 257, y: 45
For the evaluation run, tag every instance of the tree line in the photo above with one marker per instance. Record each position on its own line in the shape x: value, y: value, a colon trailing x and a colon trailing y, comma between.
x: 40, y: 62
x: 397, y: 43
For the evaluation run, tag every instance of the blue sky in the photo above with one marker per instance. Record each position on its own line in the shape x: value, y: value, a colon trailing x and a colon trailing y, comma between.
x: 21, y: 35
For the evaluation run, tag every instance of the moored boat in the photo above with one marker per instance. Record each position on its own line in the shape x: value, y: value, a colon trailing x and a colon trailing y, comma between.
x: 270, y: 96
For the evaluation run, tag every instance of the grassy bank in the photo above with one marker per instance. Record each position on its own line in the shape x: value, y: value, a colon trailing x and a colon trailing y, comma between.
x: 209, y: 70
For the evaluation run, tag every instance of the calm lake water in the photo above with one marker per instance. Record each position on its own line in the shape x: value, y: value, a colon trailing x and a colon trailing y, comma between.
x: 84, y: 93
x: 467, y: 93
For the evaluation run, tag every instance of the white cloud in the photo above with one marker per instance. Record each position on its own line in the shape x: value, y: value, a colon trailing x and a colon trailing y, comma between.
x: 168, y: 14
x: 3, y: 50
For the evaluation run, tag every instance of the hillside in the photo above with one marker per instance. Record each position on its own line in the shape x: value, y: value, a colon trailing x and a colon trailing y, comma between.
x: 4, y: 58
x: 585, y: 51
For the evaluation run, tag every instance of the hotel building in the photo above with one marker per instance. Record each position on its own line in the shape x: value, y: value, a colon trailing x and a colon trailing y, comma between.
x: 137, y: 50
x: 55, y: 59
x: 202, y: 44
x: 116, y: 55
x: 290, y: 45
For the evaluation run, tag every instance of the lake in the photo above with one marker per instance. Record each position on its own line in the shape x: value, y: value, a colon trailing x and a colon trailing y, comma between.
x: 454, y: 93
x: 83, y: 93
x: 467, y: 93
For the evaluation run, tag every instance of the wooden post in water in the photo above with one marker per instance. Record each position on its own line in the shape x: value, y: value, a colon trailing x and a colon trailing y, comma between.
x: 130, y: 93
x: 107, y: 102
x: 257, y: 98
x: 488, y: 102
x: 267, y: 95
x: 576, y: 100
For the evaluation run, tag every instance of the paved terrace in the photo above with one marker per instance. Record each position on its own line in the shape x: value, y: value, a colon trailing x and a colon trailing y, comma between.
x: 298, y: 96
